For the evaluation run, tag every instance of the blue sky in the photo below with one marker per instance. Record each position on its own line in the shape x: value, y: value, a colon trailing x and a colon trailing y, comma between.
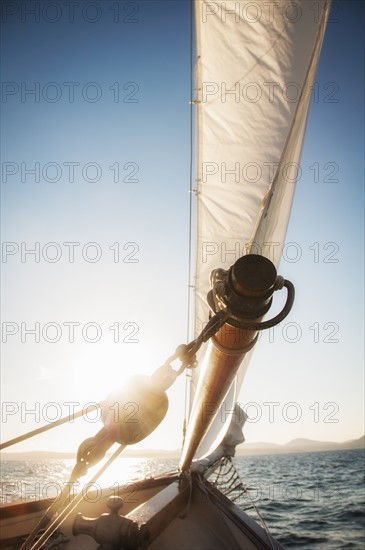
x: 115, y: 93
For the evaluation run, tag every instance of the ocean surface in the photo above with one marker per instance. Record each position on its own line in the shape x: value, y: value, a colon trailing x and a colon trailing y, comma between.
x: 308, y: 500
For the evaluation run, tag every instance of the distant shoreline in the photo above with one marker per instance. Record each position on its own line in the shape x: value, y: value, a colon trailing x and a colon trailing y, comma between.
x: 245, y: 449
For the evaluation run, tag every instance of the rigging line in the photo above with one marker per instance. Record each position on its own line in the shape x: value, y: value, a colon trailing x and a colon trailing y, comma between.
x: 266, y: 529
x: 191, y: 168
x: 227, y: 461
x: 74, y: 503
x: 45, y: 428
x: 191, y: 152
x: 57, y: 504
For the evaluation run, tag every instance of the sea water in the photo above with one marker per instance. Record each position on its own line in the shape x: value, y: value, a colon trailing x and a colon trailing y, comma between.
x: 307, y: 500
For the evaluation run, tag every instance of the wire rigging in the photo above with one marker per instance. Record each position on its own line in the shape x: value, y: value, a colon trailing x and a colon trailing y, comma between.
x: 42, y: 429
x: 191, y: 193
x: 63, y: 515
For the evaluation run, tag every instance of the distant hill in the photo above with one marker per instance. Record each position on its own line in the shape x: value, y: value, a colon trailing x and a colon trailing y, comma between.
x: 299, y: 446
x: 245, y: 449
x: 128, y: 453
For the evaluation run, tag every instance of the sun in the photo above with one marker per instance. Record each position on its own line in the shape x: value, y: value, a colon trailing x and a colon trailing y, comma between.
x: 102, y: 370
x: 102, y: 374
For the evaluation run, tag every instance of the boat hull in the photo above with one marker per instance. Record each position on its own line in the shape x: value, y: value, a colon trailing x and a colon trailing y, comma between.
x: 172, y: 511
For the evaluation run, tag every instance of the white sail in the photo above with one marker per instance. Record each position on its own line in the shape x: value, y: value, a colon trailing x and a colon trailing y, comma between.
x: 256, y: 65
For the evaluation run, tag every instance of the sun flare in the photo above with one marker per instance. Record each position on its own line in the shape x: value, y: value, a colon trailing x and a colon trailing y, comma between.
x: 100, y: 372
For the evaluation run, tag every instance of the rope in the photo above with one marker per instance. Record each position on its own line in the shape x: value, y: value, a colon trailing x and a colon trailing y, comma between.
x: 185, y: 352
x: 266, y: 529
x: 63, y: 515
x: 42, y: 429
x: 234, y: 483
x: 89, y: 453
x: 166, y: 375
x: 51, y: 511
